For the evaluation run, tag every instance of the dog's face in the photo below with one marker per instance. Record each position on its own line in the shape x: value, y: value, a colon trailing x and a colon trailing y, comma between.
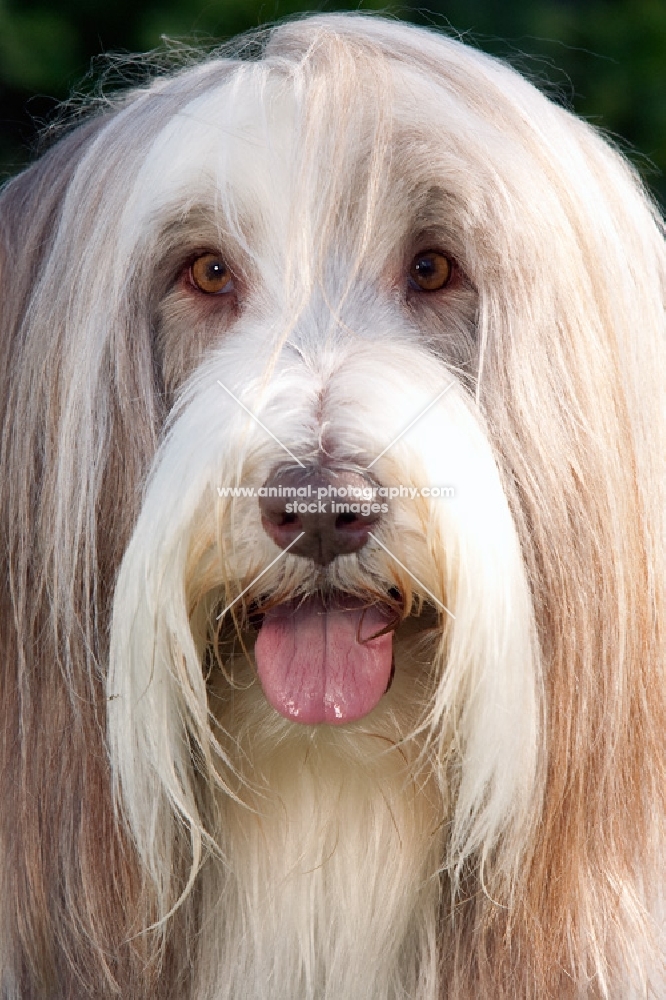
x: 317, y: 329
x: 316, y: 326
x: 340, y: 463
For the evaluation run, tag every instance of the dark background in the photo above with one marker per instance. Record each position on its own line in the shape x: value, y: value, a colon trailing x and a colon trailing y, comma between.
x: 604, y: 58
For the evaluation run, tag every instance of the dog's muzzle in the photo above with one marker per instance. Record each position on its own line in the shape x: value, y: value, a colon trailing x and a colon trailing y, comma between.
x: 328, y: 657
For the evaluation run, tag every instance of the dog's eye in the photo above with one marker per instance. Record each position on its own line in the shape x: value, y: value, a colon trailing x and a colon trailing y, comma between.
x: 210, y: 274
x: 430, y: 271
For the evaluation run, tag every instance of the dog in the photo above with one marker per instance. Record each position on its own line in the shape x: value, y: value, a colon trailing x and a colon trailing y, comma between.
x: 333, y: 537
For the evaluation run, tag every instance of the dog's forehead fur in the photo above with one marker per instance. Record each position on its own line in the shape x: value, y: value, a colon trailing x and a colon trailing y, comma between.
x: 230, y: 159
x: 255, y: 152
x: 256, y: 145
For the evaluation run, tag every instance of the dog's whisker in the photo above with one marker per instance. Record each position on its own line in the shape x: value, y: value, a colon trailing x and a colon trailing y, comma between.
x: 409, y: 426
x: 413, y: 577
x: 256, y: 579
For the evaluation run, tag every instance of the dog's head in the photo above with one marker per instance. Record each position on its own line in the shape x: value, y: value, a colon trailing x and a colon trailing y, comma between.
x: 408, y: 310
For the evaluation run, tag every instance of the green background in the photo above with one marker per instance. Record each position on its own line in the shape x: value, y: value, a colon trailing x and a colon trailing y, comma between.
x: 604, y: 58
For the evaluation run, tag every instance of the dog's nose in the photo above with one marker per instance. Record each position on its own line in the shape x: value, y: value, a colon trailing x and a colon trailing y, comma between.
x: 332, y: 510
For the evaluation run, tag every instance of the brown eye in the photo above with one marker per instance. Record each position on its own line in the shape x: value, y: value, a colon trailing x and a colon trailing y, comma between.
x: 430, y: 271
x: 211, y: 275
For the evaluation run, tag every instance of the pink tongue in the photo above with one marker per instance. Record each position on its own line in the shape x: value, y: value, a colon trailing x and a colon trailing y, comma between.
x: 312, y: 666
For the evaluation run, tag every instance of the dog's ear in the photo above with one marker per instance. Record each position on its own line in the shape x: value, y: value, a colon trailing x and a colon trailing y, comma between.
x: 67, y: 876
x: 72, y: 355
x: 29, y: 208
x: 575, y: 409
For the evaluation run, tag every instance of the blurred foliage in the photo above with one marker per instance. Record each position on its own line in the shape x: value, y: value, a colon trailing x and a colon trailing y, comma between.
x: 604, y: 58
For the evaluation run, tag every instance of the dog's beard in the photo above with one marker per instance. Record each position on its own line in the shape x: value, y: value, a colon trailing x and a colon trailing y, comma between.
x: 334, y: 839
x: 329, y: 839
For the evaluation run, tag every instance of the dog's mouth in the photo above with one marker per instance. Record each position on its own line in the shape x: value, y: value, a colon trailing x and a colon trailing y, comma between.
x: 326, y: 659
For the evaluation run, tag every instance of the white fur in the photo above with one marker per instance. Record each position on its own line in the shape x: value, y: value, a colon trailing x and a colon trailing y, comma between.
x: 413, y: 853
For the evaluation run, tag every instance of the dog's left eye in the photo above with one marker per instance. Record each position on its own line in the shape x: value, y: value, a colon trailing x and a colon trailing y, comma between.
x: 430, y: 271
x: 210, y: 275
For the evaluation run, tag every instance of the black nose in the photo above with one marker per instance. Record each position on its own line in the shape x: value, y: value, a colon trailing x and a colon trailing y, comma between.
x: 331, y: 508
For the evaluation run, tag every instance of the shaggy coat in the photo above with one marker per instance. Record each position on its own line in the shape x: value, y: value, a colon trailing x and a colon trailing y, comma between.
x: 491, y: 827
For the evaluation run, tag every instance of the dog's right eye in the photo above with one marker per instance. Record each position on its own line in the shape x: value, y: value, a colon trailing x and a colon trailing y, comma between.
x: 210, y: 275
x: 430, y: 271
